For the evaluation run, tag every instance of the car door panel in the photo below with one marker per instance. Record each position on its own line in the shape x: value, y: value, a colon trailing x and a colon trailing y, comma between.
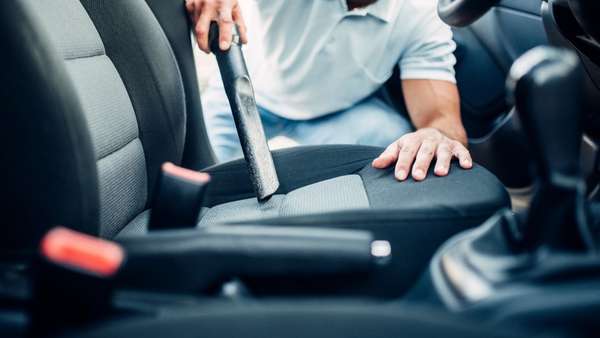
x: 485, y: 52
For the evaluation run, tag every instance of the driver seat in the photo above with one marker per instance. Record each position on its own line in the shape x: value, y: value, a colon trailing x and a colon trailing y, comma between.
x: 94, y: 103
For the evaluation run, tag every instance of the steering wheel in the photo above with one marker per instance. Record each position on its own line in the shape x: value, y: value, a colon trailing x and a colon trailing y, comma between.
x: 586, y: 12
x: 460, y: 13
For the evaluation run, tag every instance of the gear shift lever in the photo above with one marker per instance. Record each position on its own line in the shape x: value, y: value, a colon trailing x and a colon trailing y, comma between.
x: 546, y: 84
x: 546, y: 87
x: 506, y: 259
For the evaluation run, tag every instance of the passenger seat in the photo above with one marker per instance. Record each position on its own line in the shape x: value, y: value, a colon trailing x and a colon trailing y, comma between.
x: 94, y: 103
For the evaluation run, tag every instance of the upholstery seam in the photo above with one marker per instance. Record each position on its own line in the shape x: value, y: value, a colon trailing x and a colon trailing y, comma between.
x: 117, y: 230
x: 119, y: 149
x: 364, y: 187
x: 137, y: 136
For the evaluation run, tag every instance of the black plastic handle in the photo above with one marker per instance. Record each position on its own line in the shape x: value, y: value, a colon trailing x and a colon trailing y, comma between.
x: 546, y: 86
x: 240, y: 94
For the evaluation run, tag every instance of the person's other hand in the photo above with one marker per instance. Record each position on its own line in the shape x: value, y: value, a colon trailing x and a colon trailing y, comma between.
x: 225, y: 12
x: 414, y: 153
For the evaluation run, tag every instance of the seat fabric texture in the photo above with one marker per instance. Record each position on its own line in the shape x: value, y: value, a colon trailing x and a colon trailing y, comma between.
x: 129, y: 89
x: 339, y: 181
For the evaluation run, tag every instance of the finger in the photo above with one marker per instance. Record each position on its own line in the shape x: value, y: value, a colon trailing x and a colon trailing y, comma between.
x: 196, y: 7
x: 463, y: 155
x: 225, y: 27
x: 203, y: 26
x: 388, y: 157
x: 190, y: 6
x: 238, y: 18
x: 406, y: 157
x: 443, y: 159
x: 423, y: 160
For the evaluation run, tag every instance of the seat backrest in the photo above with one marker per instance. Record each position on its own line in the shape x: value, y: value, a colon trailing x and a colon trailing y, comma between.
x: 97, y: 88
x: 44, y: 138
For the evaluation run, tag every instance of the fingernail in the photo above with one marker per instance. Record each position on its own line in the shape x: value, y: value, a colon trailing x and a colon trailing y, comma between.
x: 224, y: 45
x: 419, y: 174
x: 401, y: 175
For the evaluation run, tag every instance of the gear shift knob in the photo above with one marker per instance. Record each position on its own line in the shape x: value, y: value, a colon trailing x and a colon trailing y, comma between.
x: 546, y: 86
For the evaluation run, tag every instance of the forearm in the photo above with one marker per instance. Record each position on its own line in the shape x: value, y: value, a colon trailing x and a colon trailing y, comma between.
x: 435, y: 104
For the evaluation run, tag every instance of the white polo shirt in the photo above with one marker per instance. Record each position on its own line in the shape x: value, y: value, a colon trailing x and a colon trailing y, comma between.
x: 309, y: 58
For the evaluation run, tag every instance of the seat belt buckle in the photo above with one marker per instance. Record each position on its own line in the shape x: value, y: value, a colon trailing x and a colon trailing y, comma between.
x: 178, y: 198
x: 73, y: 280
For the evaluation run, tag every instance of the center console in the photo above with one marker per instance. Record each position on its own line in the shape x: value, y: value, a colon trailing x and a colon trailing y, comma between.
x: 539, y: 269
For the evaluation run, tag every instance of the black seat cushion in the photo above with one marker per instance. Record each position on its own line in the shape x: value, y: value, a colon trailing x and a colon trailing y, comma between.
x: 324, y: 183
x: 468, y: 193
x: 416, y: 217
x: 335, y: 186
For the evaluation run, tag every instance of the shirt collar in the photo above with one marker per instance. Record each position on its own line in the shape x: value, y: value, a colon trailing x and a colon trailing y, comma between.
x: 382, y: 10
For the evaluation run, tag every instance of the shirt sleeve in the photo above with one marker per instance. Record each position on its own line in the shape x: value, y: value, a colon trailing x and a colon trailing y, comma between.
x: 430, y: 53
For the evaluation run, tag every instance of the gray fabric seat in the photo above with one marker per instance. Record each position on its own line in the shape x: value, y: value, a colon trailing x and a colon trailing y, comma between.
x: 337, y: 194
x: 342, y: 193
x: 112, y: 106
x: 127, y: 145
x: 323, y: 200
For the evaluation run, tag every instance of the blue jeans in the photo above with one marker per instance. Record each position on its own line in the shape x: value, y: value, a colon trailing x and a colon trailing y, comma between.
x: 370, y: 122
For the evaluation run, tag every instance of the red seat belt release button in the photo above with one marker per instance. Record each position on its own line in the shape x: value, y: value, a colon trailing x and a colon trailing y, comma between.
x: 85, y: 253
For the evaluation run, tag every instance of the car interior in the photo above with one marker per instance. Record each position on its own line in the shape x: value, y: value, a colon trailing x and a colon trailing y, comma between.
x: 118, y: 222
